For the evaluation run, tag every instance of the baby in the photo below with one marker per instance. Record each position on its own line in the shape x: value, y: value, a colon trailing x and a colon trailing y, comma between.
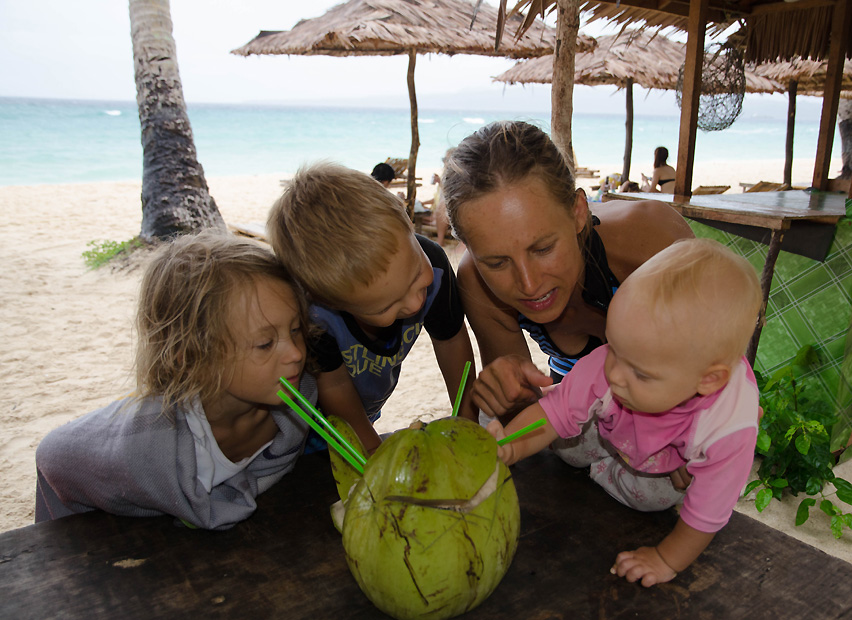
x: 671, y: 388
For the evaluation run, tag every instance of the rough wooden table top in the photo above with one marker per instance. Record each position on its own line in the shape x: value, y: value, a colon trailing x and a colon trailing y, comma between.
x: 287, y: 561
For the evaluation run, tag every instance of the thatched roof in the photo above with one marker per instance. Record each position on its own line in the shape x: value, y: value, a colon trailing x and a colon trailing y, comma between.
x: 809, y: 74
x: 390, y: 27
x: 653, y: 61
x: 774, y: 30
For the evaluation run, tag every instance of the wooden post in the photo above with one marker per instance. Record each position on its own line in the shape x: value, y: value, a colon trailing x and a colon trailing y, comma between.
x: 562, y: 90
x: 628, y: 129
x: 765, y: 285
x: 415, y: 136
x: 690, y: 96
x: 841, y: 24
x: 791, y: 127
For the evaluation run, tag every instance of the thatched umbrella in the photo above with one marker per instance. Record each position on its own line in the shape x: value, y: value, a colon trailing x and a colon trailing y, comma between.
x: 774, y: 31
x: 393, y: 27
x: 808, y: 78
x: 632, y: 57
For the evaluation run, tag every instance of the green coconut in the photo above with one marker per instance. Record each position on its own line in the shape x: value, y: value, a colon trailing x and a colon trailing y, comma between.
x: 432, y: 526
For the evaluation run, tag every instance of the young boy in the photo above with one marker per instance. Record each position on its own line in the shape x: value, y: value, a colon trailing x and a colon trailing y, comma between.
x: 374, y: 285
x: 671, y: 388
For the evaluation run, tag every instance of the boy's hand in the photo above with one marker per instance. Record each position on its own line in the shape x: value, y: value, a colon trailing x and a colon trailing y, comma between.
x: 507, y: 385
x: 645, y: 564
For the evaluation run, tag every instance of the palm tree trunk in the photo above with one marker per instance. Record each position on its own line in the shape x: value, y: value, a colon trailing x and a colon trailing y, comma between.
x: 175, y: 197
x: 562, y: 94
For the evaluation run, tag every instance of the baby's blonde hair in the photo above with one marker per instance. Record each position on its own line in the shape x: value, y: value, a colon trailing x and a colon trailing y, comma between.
x: 334, y: 227
x: 704, y: 286
x: 185, y: 303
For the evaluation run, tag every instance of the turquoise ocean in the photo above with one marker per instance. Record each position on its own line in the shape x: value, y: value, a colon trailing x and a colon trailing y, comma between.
x: 57, y: 141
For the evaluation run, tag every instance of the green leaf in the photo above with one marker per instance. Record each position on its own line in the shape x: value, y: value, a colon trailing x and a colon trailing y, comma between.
x: 764, y: 441
x: 751, y: 486
x: 803, y: 444
x: 828, y: 508
x: 837, y: 526
x: 764, y: 496
x: 779, y: 483
x: 813, y: 486
x: 844, y: 490
x: 803, y: 512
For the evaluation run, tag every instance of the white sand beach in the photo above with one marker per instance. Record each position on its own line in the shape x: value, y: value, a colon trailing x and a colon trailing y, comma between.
x: 68, y: 339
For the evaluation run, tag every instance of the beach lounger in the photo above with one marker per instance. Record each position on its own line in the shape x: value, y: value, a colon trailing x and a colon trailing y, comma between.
x: 703, y: 190
x: 254, y: 230
x: 766, y: 186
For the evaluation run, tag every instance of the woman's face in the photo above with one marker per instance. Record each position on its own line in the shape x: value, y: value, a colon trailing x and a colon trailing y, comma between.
x: 524, y: 244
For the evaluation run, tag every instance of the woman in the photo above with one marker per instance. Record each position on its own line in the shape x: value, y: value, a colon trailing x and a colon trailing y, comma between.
x: 664, y: 175
x: 537, y: 260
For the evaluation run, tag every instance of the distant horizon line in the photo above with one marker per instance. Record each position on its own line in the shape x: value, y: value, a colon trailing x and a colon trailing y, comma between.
x: 321, y: 104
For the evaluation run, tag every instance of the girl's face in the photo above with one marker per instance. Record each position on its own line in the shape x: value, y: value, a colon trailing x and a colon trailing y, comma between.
x: 270, y: 343
x: 524, y: 244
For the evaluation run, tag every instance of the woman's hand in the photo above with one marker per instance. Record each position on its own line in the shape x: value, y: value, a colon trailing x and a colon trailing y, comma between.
x: 507, y: 385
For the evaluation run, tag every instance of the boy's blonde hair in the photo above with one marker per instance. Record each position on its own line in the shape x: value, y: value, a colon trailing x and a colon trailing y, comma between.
x: 185, y: 303
x: 334, y: 228
x: 714, y: 293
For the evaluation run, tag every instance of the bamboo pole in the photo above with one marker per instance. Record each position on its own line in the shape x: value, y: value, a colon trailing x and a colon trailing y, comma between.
x: 791, y: 127
x: 628, y: 129
x: 415, y: 136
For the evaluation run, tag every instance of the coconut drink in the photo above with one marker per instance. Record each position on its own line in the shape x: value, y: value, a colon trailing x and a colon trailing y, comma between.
x: 432, y: 526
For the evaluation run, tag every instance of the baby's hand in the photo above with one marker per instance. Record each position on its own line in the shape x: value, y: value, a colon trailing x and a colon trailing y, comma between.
x: 645, y: 564
x: 504, y: 453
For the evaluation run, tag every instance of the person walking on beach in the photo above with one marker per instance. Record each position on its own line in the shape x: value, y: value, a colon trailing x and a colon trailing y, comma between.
x: 537, y: 259
x: 374, y: 285
x: 661, y: 397
x: 663, y: 175
x: 219, y: 321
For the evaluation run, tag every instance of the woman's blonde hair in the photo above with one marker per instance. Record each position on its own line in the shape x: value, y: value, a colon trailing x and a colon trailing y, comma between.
x: 185, y: 302
x: 498, y: 154
x: 710, y: 290
x: 335, y: 228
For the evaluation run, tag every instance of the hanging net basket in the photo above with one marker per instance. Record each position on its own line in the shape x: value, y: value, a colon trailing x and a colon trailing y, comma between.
x: 723, y: 87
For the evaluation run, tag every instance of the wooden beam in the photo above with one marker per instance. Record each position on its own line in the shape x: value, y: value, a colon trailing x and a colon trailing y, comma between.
x: 791, y: 129
x: 690, y: 97
x: 841, y: 25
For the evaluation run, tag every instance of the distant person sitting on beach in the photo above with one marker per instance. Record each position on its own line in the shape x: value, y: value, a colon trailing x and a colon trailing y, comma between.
x: 660, y: 397
x: 629, y: 186
x: 219, y: 321
x: 664, y: 175
x: 374, y: 285
x: 383, y: 173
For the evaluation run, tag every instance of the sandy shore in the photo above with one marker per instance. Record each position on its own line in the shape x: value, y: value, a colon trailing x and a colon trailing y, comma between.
x: 67, y: 331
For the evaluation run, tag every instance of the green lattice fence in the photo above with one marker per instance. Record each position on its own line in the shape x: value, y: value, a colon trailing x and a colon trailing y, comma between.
x: 810, y: 302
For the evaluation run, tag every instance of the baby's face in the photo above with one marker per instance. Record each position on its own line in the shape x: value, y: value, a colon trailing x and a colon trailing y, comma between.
x: 270, y: 343
x: 398, y: 293
x: 649, y: 367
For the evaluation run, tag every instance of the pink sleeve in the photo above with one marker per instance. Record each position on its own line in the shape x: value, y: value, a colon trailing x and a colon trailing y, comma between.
x: 718, y: 481
x: 567, y: 406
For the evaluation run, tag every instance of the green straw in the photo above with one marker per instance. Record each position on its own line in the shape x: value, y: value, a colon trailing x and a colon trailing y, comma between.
x: 522, y: 432
x: 461, y: 388
x: 329, y: 439
x: 321, y: 418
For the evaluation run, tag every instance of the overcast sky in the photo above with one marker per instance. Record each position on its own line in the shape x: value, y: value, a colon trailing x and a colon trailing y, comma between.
x: 81, y: 49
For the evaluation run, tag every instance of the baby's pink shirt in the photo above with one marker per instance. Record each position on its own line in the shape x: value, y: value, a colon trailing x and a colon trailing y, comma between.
x: 714, y: 435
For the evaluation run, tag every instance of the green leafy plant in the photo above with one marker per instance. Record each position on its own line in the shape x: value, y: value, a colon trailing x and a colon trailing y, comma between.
x: 794, y: 441
x: 102, y: 252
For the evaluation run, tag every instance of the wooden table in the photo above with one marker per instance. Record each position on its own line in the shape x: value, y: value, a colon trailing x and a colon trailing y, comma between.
x: 287, y: 562
x: 798, y: 221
